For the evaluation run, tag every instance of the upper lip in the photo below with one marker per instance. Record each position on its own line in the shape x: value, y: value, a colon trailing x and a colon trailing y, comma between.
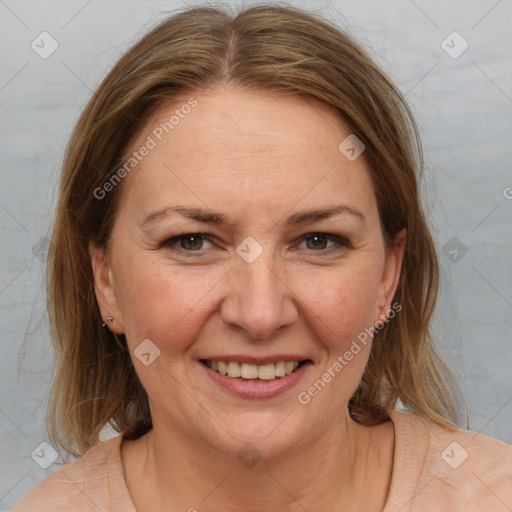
x: 241, y: 358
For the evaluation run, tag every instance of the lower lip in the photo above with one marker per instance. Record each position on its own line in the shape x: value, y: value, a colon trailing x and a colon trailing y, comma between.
x: 257, y: 388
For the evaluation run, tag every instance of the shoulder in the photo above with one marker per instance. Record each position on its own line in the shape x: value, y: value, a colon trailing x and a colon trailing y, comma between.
x: 93, y: 482
x: 438, y: 466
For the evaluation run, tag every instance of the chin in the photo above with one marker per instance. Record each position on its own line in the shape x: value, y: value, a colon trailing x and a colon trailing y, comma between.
x: 263, y: 435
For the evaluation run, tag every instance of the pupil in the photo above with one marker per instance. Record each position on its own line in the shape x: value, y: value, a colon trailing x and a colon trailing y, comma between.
x: 318, y: 237
x: 191, y: 246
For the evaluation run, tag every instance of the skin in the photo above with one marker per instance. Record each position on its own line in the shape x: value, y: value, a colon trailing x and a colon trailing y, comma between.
x: 257, y: 159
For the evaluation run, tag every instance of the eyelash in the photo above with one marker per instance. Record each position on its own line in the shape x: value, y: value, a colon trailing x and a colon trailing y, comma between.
x: 343, y: 242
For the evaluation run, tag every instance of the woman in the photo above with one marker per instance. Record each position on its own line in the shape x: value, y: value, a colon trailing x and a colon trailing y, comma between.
x: 241, y: 280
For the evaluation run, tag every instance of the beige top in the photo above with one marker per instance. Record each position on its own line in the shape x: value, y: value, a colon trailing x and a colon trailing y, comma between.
x: 434, y: 469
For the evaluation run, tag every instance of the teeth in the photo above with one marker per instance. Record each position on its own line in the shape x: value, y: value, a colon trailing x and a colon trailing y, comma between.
x: 234, y: 369
x: 253, y: 371
x: 223, y: 368
x: 247, y: 371
x: 267, y: 371
x: 280, y: 369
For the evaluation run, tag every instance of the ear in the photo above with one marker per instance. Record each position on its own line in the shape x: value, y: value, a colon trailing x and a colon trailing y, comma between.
x: 104, y: 287
x: 390, y: 277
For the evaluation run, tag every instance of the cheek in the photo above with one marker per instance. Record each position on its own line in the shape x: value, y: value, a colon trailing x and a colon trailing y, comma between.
x: 164, y: 303
x: 340, y: 312
x: 343, y: 302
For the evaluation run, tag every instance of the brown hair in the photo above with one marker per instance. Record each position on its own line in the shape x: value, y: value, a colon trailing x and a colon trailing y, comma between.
x: 278, y: 49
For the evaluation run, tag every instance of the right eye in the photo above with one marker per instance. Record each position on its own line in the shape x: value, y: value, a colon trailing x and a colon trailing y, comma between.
x: 189, y: 242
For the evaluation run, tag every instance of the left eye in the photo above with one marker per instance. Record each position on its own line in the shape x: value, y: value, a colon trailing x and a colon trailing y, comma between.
x: 319, y: 240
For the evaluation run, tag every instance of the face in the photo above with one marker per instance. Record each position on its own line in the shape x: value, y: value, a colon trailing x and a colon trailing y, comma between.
x: 254, y: 277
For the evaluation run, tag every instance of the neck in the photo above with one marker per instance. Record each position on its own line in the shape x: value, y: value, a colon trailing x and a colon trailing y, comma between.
x: 330, y: 472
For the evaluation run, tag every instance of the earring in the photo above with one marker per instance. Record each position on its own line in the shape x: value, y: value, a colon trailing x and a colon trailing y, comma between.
x: 109, y: 321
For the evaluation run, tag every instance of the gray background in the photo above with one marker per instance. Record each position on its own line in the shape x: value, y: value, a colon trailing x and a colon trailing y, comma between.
x: 463, y: 106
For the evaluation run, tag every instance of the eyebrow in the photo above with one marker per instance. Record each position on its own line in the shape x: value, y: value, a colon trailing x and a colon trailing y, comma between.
x: 219, y: 219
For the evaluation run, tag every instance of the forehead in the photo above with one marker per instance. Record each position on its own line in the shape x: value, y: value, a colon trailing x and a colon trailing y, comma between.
x: 240, y: 152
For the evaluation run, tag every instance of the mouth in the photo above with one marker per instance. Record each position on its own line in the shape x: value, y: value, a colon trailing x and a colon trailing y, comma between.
x: 249, y: 381
x: 269, y: 372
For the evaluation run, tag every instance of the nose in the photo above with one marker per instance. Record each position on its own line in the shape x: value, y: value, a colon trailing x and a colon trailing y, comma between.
x: 260, y: 298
